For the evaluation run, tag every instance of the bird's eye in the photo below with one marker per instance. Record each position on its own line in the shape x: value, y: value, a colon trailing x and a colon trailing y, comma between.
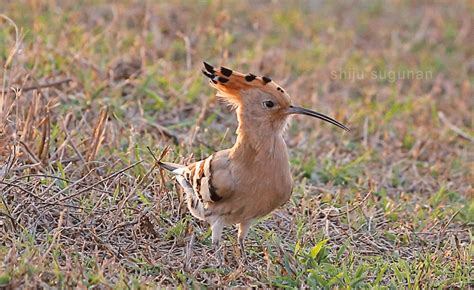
x: 268, y: 104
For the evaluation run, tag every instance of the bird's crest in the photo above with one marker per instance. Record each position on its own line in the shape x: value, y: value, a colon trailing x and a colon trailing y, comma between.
x: 232, y: 83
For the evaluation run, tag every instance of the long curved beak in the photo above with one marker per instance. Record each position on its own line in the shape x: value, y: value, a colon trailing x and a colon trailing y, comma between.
x: 307, y: 112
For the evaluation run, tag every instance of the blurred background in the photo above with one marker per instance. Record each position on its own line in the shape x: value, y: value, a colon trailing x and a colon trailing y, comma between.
x: 102, y: 80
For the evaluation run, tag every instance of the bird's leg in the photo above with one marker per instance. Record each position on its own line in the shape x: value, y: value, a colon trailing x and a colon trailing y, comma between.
x: 216, y: 229
x: 243, y: 231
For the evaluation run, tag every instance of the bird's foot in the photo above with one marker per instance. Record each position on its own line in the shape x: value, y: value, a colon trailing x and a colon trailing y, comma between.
x: 243, y: 256
x: 218, y: 255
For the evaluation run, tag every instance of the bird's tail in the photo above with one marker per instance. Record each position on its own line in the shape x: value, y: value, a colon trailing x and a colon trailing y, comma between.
x: 171, y: 167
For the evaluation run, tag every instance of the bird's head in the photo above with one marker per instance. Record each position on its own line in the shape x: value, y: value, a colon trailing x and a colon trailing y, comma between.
x: 260, y: 102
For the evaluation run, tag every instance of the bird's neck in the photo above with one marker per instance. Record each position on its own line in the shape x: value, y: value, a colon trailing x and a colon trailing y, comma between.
x: 263, y: 145
x: 259, y: 141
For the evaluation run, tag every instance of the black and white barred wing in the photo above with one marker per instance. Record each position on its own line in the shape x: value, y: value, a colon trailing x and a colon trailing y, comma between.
x: 197, y: 180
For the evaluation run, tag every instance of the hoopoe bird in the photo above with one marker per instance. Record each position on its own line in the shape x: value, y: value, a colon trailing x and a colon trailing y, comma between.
x: 251, y: 179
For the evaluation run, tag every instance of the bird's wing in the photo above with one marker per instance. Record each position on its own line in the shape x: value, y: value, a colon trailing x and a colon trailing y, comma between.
x: 209, y: 179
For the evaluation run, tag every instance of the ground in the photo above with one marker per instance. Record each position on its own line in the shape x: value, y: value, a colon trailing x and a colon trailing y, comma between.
x: 387, y: 204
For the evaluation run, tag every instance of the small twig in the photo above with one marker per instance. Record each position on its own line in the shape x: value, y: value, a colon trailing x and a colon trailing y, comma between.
x: 55, y: 177
x: 163, y: 154
x: 223, y: 137
x: 188, y: 254
x: 8, y: 213
x: 70, y: 185
x: 98, y: 134
x: 133, y: 190
x: 354, y: 207
x: 8, y: 184
x: 9, y: 164
x: 152, y: 154
x: 443, y: 230
x: 200, y: 119
x: 57, y: 232
x: 454, y: 128
x: 365, y: 139
x: 69, y: 139
x: 102, y: 244
x: 18, y: 39
x: 30, y: 153
x: 449, y: 221
x: 101, y: 181
x: 120, y: 225
x: 45, y: 136
x: 187, y: 45
x: 42, y: 86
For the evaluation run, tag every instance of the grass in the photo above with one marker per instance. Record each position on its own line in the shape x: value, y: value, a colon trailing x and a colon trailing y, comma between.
x: 387, y: 205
